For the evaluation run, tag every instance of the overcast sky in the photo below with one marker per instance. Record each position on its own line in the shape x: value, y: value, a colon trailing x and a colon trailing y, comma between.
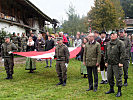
x: 57, y: 8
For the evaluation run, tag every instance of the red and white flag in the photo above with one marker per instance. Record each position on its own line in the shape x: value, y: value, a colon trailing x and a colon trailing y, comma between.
x: 48, y: 54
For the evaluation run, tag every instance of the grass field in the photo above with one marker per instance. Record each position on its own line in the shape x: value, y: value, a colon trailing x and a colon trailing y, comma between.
x: 41, y: 85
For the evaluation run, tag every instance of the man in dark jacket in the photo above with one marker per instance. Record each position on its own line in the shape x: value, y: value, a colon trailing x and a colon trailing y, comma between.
x: 96, y: 35
x: 33, y: 37
x: 127, y: 58
x: 48, y: 46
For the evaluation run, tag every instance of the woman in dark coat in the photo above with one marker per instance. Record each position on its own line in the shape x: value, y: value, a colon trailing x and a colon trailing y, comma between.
x: 39, y: 44
x: 83, y: 68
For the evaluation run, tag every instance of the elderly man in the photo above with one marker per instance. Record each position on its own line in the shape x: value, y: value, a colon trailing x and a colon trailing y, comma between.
x: 114, y: 60
x: 6, y: 52
x: 91, y: 59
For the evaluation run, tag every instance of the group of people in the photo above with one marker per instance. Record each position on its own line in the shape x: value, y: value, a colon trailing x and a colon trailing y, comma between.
x: 25, y: 44
x: 110, y: 53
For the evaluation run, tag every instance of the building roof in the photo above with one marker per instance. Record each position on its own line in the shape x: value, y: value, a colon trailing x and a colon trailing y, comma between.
x: 129, y: 21
x: 28, y: 3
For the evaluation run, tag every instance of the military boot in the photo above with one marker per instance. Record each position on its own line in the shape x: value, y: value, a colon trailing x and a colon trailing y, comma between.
x: 11, y: 77
x: 119, y: 92
x: 61, y: 82
x: 64, y: 83
x: 111, y: 90
x: 125, y: 82
x: 8, y: 76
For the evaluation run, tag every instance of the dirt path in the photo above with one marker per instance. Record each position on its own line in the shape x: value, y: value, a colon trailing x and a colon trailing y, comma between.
x: 18, y: 60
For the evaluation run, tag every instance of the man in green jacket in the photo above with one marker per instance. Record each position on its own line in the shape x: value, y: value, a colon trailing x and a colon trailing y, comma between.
x: 7, y: 57
x: 114, y: 60
x: 91, y: 59
x: 127, y: 57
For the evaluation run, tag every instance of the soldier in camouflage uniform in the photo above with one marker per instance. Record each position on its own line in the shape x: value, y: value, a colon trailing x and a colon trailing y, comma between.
x: 91, y: 59
x: 114, y: 60
x: 14, y: 39
x: 19, y: 42
x: 6, y: 52
x: 62, y: 59
x: 128, y: 48
x: 24, y: 40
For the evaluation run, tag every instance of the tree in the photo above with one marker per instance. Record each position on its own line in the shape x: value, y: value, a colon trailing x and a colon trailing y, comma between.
x: 74, y: 22
x: 127, y: 6
x: 120, y: 13
x: 104, y: 16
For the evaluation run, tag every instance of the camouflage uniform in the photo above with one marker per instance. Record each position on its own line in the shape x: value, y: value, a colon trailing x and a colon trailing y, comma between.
x: 15, y: 40
x: 127, y: 57
x: 8, y: 58
x: 62, y: 57
x: 40, y: 44
x: 114, y: 55
x: 24, y: 40
x: 19, y: 43
x: 92, y: 56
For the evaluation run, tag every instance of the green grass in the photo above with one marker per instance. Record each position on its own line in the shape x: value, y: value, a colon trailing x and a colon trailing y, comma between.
x: 41, y: 85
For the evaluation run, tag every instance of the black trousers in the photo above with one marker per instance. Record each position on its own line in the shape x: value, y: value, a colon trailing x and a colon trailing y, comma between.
x: 90, y: 77
x: 102, y: 64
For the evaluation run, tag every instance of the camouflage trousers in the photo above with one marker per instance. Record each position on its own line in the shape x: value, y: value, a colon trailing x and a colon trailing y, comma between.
x: 24, y: 47
x: 125, y: 69
x: 114, y: 70
x: 9, y: 63
x: 61, y: 70
x: 16, y: 44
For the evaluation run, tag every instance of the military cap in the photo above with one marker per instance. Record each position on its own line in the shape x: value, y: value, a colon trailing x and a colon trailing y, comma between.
x: 59, y: 38
x: 6, y: 37
x: 121, y: 30
x: 13, y: 33
x: 113, y: 32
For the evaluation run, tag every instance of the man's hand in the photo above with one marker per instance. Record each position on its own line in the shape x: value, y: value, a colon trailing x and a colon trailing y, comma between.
x: 10, y: 52
x: 120, y: 65
x: 106, y: 64
x: 2, y: 60
x: 97, y: 64
x: 83, y: 63
x: 66, y: 64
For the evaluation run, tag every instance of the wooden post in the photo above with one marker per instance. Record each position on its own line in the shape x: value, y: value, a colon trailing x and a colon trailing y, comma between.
x: 0, y: 5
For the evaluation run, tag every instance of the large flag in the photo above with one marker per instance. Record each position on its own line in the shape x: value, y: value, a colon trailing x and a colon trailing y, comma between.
x: 48, y: 54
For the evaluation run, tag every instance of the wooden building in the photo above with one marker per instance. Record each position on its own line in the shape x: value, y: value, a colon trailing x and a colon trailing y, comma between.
x: 22, y: 16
